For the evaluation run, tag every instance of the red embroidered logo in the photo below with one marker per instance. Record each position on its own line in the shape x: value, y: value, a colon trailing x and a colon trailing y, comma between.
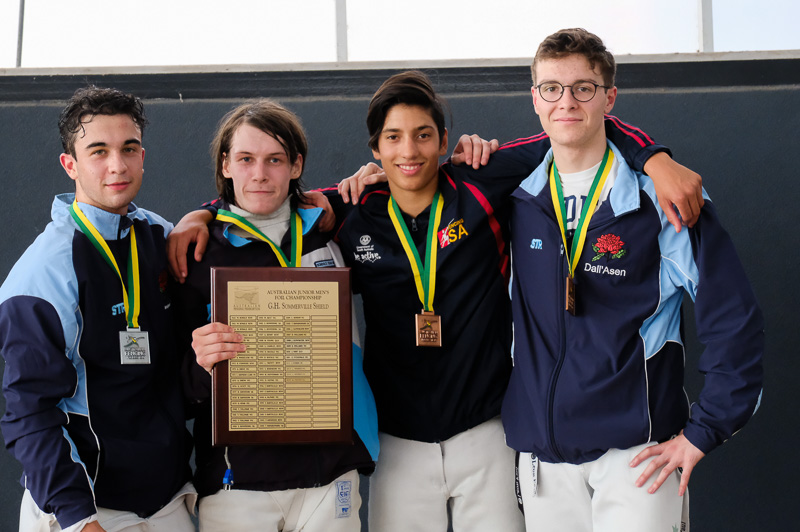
x: 455, y: 230
x: 610, y: 246
x: 444, y: 240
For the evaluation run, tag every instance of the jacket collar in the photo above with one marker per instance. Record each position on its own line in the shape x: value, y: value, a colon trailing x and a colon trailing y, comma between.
x: 110, y: 226
x: 624, y: 196
x: 308, y: 217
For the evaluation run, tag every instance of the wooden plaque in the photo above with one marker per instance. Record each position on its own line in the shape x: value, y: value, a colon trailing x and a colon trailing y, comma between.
x: 294, y: 382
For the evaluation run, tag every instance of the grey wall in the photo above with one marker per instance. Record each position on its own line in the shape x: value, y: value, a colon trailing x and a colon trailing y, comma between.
x: 733, y: 123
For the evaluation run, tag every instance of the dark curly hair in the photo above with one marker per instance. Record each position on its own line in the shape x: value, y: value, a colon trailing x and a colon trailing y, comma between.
x: 90, y: 101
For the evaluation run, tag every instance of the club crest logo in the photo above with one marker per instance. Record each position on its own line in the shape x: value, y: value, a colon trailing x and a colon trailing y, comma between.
x: 609, y: 246
x: 246, y: 298
x: 452, y: 232
x: 366, y: 251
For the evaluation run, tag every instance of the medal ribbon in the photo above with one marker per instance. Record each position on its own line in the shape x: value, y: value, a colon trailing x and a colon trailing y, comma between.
x: 424, y: 275
x: 132, y: 295
x: 589, y: 206
x: 296, y: 230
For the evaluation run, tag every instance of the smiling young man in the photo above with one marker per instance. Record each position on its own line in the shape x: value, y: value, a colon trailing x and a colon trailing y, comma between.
x: 429, y: 257
x: 94, y: 411
x: 596, y: 404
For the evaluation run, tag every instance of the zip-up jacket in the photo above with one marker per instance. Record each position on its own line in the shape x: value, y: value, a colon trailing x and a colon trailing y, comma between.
x: 267, y: 467
x: 86, y: 428
x: 433, y: 393
x: 612, y: 375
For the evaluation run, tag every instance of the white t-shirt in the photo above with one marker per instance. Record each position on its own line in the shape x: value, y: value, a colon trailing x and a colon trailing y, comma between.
x: 576, y: 187
x: 273, y: 225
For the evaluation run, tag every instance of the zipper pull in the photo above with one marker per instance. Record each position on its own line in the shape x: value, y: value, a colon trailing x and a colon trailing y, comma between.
x: 413, y: 224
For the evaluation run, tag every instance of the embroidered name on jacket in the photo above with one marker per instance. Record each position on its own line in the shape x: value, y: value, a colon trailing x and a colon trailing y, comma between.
x: 612, y: 248
x: 366, y: 251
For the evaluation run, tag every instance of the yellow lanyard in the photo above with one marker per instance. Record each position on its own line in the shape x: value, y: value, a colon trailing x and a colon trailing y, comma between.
x: 589, y: 206
x: 296, y: 230
x: 130, y: 296
x: 424, y: 275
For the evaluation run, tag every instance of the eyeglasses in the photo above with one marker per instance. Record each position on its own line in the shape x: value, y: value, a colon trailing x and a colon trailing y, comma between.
x: 583, y: 91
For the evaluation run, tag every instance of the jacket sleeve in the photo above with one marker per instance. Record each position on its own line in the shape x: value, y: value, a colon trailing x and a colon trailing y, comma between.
x: 635, y: 145
x: 191, y: 312
x: 515, y: 160
x: 729, y: 324
x: 37, y: 378
x: 340, y: 209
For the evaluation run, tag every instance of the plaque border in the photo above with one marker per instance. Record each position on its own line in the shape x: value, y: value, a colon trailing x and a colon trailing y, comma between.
x: 221, y: 433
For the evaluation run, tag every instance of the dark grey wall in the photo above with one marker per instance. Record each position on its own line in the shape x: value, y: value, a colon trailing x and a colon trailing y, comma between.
x: 735, y: 123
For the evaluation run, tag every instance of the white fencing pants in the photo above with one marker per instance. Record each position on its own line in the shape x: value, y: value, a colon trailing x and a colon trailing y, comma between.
x: 473, y: 472
x: 599, y: 496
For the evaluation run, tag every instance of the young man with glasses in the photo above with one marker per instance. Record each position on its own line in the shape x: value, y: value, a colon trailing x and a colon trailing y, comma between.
x: 430, y: 261
x: 596, y: 405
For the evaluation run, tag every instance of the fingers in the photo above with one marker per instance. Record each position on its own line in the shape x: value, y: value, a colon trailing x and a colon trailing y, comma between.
x: 348, y: 187
x: 313, y: 198
x: 343, y: 190
x: 316, y: 199
x: 207, y: 362
x: 676, y: 453
x: 666, y: 471
x: 646, y: 453
x: 489, y: 147
x: 191, y: 228
x: 473, y: 150
x: 176, y: 255
x: 200, y: 247
x: 693, y: 206
x: 672, y: 215
x: 462, y: 153
x: 477, y: 151
x: 685, y: 474
x: 214, y: 343
x: 351, y: 188
x: 658, y: 462
x: 378, y: 177
x: 327, y: 221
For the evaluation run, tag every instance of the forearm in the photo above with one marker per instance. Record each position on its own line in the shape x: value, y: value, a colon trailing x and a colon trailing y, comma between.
x: 58, y: 484
x: 731, y: 327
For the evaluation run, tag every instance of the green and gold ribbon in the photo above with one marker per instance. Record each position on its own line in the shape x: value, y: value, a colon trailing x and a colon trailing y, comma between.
x: 589, y: 206
x: 132, y: 294
x: 296, y: 229
x: 424, y: 275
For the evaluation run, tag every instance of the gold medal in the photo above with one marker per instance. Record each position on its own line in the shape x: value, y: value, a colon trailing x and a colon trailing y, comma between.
x: 429, y: 329
x: 570, y: 296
